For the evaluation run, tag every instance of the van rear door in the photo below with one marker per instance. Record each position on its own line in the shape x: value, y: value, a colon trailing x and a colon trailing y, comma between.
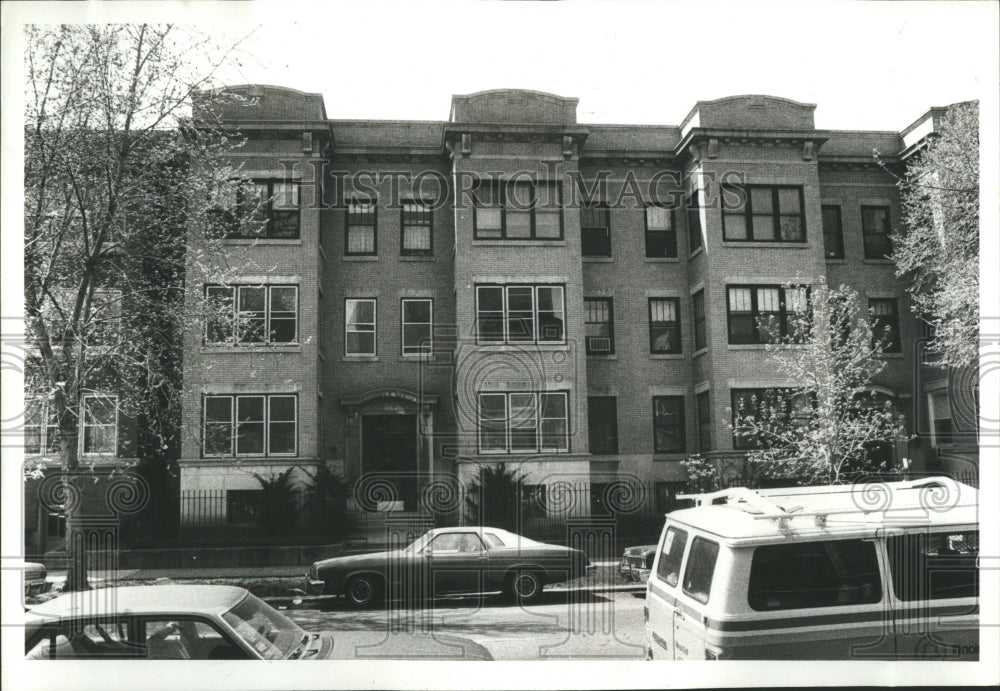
x: 662, y: 589
x: 696, y: 588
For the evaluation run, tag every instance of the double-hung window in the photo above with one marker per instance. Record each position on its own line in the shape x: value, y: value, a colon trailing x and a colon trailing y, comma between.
x: 766, y: 314
x: 668, y: 424
x: 100, y: 425
x: 520, y: 314
x: 249, y: 425
x: 416, y: 225
x: 600, y: 325
x: 885, y: 323
x: 523, y: 422
x: 359, y: 326
x: 768, y: 213
x: 833, y: 233
x: 41, y: 427
x: 361, y: 228
x: 418, y: 326
x: 664, y: 325
x: 595, y: 230
x: 694, y: 221
x: 264, y: 209
x: 661, y: 238
x: 251, y: 315
x: 698, y: 315
x: 877, y: 231
x: 704, y: 410
x: 519, y: 209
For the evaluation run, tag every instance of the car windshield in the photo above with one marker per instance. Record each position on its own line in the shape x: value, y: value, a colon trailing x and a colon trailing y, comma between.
x: 270, y: 633
x: 419, y: 543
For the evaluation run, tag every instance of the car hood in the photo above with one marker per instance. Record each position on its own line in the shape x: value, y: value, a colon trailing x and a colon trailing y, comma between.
x: 639, y: 551
x: 358, y: 559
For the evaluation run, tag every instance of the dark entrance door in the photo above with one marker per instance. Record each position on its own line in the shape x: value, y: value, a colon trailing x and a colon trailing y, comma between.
x: 389, y: 447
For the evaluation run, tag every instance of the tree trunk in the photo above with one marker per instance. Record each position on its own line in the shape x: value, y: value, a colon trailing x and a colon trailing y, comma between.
x: 76, y: 542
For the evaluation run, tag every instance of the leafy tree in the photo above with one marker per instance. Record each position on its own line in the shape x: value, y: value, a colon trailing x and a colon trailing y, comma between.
x: 327, y: 495
x: 938, y: 242
x: 493, y: 497
x: 703, y: 474
x: 115, y: 173
x: 280, y: 504
x: 830, y: 422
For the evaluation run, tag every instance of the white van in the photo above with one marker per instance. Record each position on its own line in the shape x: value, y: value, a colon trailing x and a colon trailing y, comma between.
x: 853, y: 572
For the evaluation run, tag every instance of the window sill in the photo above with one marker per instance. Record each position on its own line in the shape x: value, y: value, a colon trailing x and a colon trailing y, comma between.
x: 767, y: 244
x: 417, y: 358
x: 519, y: 242
x: 746, y: 346
x: 263, y: 241
x: 360, y: 258
x: 251, y: 349
x: 835, y: 261
x: 700, y: 352
x: 660, y: 456
x: 661, y: 260
x: 360, y: 358
x: 602, y: 356
x: 416, y: 257
x: 878, y: 262
x: 666, y: 356
x: 598, y: 260
x: 514, y: 347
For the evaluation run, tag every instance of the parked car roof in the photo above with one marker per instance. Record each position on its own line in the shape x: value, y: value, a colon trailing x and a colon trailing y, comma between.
x: 859, y: 510
x: 150, y: 599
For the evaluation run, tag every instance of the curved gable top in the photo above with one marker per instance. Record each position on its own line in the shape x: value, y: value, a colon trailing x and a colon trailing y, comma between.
x: 752, y: 111
x: 261, y: 102
x: 513, y: 106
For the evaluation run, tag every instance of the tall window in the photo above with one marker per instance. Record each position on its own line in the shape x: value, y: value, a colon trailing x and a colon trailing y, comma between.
x: 940, y: 417
x: 41, y: 427
x: 885, y: 323
x: 361, y: 236
x: 704, y: 411
x: 600, y: 325
x: 602, y: 417
x: 595, y: 230
x: 518, y: 210
x: 770, y: 213
x: 100, y: 425
x: 418, y: 326
x: 359, y: 326
x: 877, y: 230
x: 761, y: 314
x: 668, y: 424
x: 661, y: 238
x: 664, y: 325
x: 267, y: 209
x: 698, y: 313
x: 833, y: 233
x: 416, y: 228
x: 249, y: 425
x: 694, y: 221
x: 520, y: 314
x: 523, y: 422
x: 252, y: 315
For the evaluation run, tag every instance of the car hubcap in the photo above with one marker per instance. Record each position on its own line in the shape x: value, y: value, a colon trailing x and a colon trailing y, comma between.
x: 525, y: 586
x: 361, y: 591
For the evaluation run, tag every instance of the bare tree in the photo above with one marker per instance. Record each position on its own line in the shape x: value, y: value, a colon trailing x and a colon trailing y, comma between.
x: 829, y: 421
x: 938, y: 242
x: 116, y: 174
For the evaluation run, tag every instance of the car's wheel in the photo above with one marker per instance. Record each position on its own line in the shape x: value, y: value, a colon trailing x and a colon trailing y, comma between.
x: 524, y: 587
x: 363, y: 591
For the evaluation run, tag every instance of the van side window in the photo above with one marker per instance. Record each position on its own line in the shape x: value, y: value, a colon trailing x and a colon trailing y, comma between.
x: 814, y: 574
x: 700, y: 569
x: 669, y: 568
x: 932, y: 566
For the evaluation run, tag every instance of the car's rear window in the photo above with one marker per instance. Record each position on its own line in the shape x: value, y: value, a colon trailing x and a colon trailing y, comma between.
x: 934, y: 566
x: 829, y: 573
x: 493, y: 539
x: 700, y: 569
x: 669, y: 568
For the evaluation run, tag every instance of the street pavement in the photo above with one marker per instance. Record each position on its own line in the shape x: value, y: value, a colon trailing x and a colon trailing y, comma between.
x: 573, y: 624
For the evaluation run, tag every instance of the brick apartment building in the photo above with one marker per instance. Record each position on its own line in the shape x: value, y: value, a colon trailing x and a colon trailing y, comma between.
x: 423, y: 319
x: 512, y: 285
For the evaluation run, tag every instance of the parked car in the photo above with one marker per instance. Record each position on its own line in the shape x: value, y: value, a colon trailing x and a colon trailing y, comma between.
x: 204, y: 622
x: 451, y: 560
x: 636, y: 563
x: 35, y: 578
